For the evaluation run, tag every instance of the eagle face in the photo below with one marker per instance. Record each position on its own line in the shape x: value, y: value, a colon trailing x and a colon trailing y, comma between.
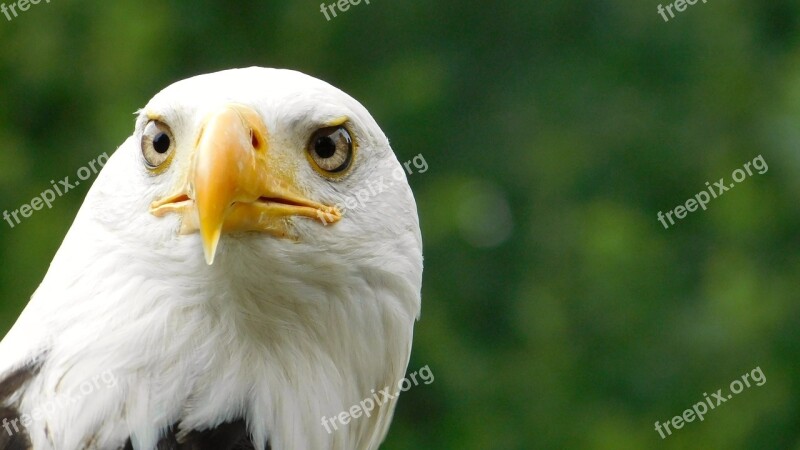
x: 250, y: 255
x: 271, y: 151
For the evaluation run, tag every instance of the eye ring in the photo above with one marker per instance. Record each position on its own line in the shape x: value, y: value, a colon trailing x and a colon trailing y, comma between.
x: 158, y: 145
x: 331, y: 150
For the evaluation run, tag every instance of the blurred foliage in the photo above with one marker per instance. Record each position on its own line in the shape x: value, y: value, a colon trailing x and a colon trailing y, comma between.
x: 557, y: 311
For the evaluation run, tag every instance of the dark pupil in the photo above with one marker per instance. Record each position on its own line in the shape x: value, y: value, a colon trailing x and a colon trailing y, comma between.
x: 161, y: 143
x: 325, y: 147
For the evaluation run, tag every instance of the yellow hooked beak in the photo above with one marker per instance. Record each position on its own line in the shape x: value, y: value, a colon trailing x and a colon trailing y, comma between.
x: 234, y: 184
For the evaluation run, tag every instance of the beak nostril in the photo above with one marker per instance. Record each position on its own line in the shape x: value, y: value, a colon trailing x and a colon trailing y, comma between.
x: 255, y: 141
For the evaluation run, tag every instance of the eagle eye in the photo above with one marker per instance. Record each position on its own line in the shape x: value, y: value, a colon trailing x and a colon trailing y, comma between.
x: 331, y: 150
x: 158, y: 144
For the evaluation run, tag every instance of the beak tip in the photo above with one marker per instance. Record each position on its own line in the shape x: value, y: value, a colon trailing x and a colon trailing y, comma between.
x: 209, y: 259
x: 210, y: 247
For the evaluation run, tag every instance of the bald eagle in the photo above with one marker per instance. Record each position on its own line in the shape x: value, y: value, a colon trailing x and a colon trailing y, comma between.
x: 248, y: 262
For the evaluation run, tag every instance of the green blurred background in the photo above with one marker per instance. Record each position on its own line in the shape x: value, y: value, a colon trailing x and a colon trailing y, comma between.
x: 557, y: 311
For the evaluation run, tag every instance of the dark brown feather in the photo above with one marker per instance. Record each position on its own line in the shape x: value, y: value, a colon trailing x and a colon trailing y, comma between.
x: 14, y: 436
x: 228, y: 436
